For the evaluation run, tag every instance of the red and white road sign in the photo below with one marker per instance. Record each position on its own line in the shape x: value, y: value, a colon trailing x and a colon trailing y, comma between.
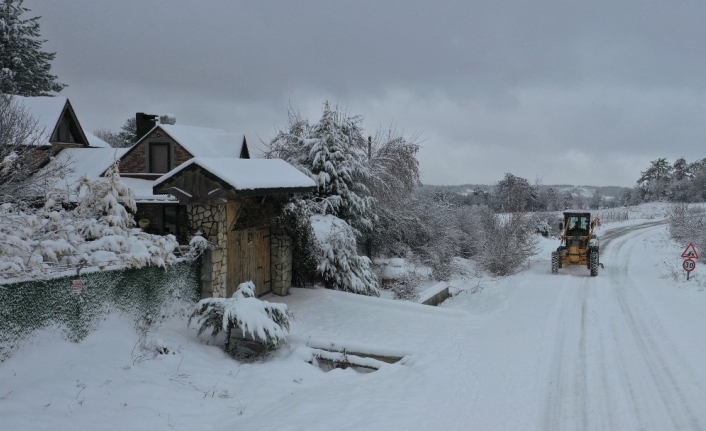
x: 77, y: 286
x: 689, y: 265
x: 690, y: 252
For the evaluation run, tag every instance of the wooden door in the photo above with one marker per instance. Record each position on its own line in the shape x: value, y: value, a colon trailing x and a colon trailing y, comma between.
x: 249, y: 259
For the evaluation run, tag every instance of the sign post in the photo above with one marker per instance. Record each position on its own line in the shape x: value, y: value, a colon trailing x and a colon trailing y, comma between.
x: 689, y: 254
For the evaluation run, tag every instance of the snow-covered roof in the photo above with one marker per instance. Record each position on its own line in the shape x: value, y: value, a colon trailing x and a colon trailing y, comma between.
x: 205, y: 142
x: 91, y: 162
x: 248, y: 174
x: 96, y: 142
x: 45, y: 110
x: 142, y: 190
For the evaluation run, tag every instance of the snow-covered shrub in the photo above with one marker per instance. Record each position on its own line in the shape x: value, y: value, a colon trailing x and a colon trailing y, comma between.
x: 99, y: 231
x: 432, y: 233
x: 198, y: 245
x: 687, y: 223
x: 542, y: 227
x: 260, y: 320
x: 508, y: 242
x: 340, y: 266
x: 406, y: 286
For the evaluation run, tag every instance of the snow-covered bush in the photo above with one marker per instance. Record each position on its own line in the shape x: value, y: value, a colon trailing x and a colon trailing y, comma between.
x: 99, y: 231
x: 198, y: 245
x: 406, y: 286
x: 432, y: 232
x: 260, y: 320
x: 508, y: 242
x: 687, y: 223
x: 340, y: 266
x: 543, y: 228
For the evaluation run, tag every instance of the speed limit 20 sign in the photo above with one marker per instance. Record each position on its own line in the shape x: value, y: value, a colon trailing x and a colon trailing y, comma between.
x: 689, y: 265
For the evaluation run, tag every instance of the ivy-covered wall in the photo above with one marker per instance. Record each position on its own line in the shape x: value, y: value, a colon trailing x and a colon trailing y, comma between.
x: 28, y: 306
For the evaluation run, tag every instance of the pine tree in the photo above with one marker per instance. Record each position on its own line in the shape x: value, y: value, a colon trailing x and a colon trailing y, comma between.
x: 333, y: 153
x: 24, y: 67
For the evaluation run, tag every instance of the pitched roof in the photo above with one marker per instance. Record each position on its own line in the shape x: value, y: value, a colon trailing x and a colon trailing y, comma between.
x: 91, y: 162
x: 247, y: 175
x: 203, y: 141
x: 47, y: 112
x: 142, y: 190
x: 96, y: 142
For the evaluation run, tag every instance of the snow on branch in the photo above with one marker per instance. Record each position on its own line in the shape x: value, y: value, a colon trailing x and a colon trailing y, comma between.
x: 263, y: 321
x: 340, y: 265
x: 100, y: 231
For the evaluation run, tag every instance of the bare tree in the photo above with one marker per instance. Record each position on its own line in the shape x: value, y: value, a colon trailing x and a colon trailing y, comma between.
x: 22, y: 154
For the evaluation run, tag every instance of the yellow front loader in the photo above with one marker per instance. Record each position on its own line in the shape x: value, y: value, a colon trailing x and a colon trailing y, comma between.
x: 579, y: 243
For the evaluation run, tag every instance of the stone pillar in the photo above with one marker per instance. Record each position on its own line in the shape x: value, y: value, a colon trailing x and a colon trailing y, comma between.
x: 281, y: 262
x: 211, y: 221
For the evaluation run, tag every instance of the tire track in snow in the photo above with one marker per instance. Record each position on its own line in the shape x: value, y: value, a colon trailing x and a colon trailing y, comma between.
x: 567, y: 397
x: 586, y: 360
x: 656, y: 391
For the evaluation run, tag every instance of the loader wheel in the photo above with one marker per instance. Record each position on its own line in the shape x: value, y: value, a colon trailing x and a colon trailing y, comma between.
x: 594, y: 263
x: 555, y: 262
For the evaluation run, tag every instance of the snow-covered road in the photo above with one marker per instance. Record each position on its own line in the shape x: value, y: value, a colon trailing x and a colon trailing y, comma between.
x: 614, y: 363
x: 534, y: 351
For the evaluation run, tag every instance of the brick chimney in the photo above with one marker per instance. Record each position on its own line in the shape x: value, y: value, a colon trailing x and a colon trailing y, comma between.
x: 144, y: 123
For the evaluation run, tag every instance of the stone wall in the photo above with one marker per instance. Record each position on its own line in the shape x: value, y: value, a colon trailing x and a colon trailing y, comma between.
x: 211, y: 221
x: 281, y: 266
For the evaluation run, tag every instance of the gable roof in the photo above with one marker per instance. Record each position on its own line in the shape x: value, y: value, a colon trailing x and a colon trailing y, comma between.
x: 203, y: 141
x: 244, y: 176
x: 92, y: 162
x: 96, y: 142
x: 47, y: 112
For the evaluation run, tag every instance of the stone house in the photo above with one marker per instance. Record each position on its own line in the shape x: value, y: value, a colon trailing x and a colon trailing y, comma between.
x: 189, y: 179
x: 234, y: 203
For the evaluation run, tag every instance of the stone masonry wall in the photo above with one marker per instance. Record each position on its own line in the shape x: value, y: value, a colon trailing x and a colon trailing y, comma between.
x: 281, y: 266
x: 211, y: 221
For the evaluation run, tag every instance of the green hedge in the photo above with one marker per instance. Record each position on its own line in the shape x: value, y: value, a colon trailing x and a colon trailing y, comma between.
x: 28, y: 306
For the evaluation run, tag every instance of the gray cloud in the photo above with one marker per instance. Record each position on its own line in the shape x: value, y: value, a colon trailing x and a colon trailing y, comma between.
x: 570, y: 92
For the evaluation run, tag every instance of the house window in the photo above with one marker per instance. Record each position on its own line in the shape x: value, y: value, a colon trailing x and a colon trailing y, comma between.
x: 169, y: 220
x: 159, y: 158
x: 65, y: 134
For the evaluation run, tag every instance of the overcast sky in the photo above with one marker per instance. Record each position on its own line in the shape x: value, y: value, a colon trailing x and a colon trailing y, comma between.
x: 569, y: 92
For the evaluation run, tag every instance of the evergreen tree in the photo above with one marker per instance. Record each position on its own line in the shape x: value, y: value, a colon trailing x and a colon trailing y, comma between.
x: 515, y: 194
x: 656, y: 179
x: 333, y: 153
x: 24, y: 67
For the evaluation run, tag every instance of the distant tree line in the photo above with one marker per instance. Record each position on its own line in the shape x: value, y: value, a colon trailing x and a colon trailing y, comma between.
x: 681, y: 181
x: 515, y: 194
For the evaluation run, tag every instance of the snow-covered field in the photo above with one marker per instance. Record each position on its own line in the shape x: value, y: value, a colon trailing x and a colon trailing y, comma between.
x: 534, y: 351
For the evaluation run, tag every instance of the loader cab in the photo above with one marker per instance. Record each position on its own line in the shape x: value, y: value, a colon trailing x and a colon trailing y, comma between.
x: 577, y: 224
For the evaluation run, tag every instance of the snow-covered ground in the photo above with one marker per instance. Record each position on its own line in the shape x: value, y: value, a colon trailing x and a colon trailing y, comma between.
x: 534, y: 351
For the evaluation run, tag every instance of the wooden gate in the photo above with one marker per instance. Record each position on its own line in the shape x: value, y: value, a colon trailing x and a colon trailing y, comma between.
x: 249, y: 259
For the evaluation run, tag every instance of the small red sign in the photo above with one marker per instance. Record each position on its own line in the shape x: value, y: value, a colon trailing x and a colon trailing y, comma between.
x: 689, y: 265
x: 77, y: 286
x: 690, y: 252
